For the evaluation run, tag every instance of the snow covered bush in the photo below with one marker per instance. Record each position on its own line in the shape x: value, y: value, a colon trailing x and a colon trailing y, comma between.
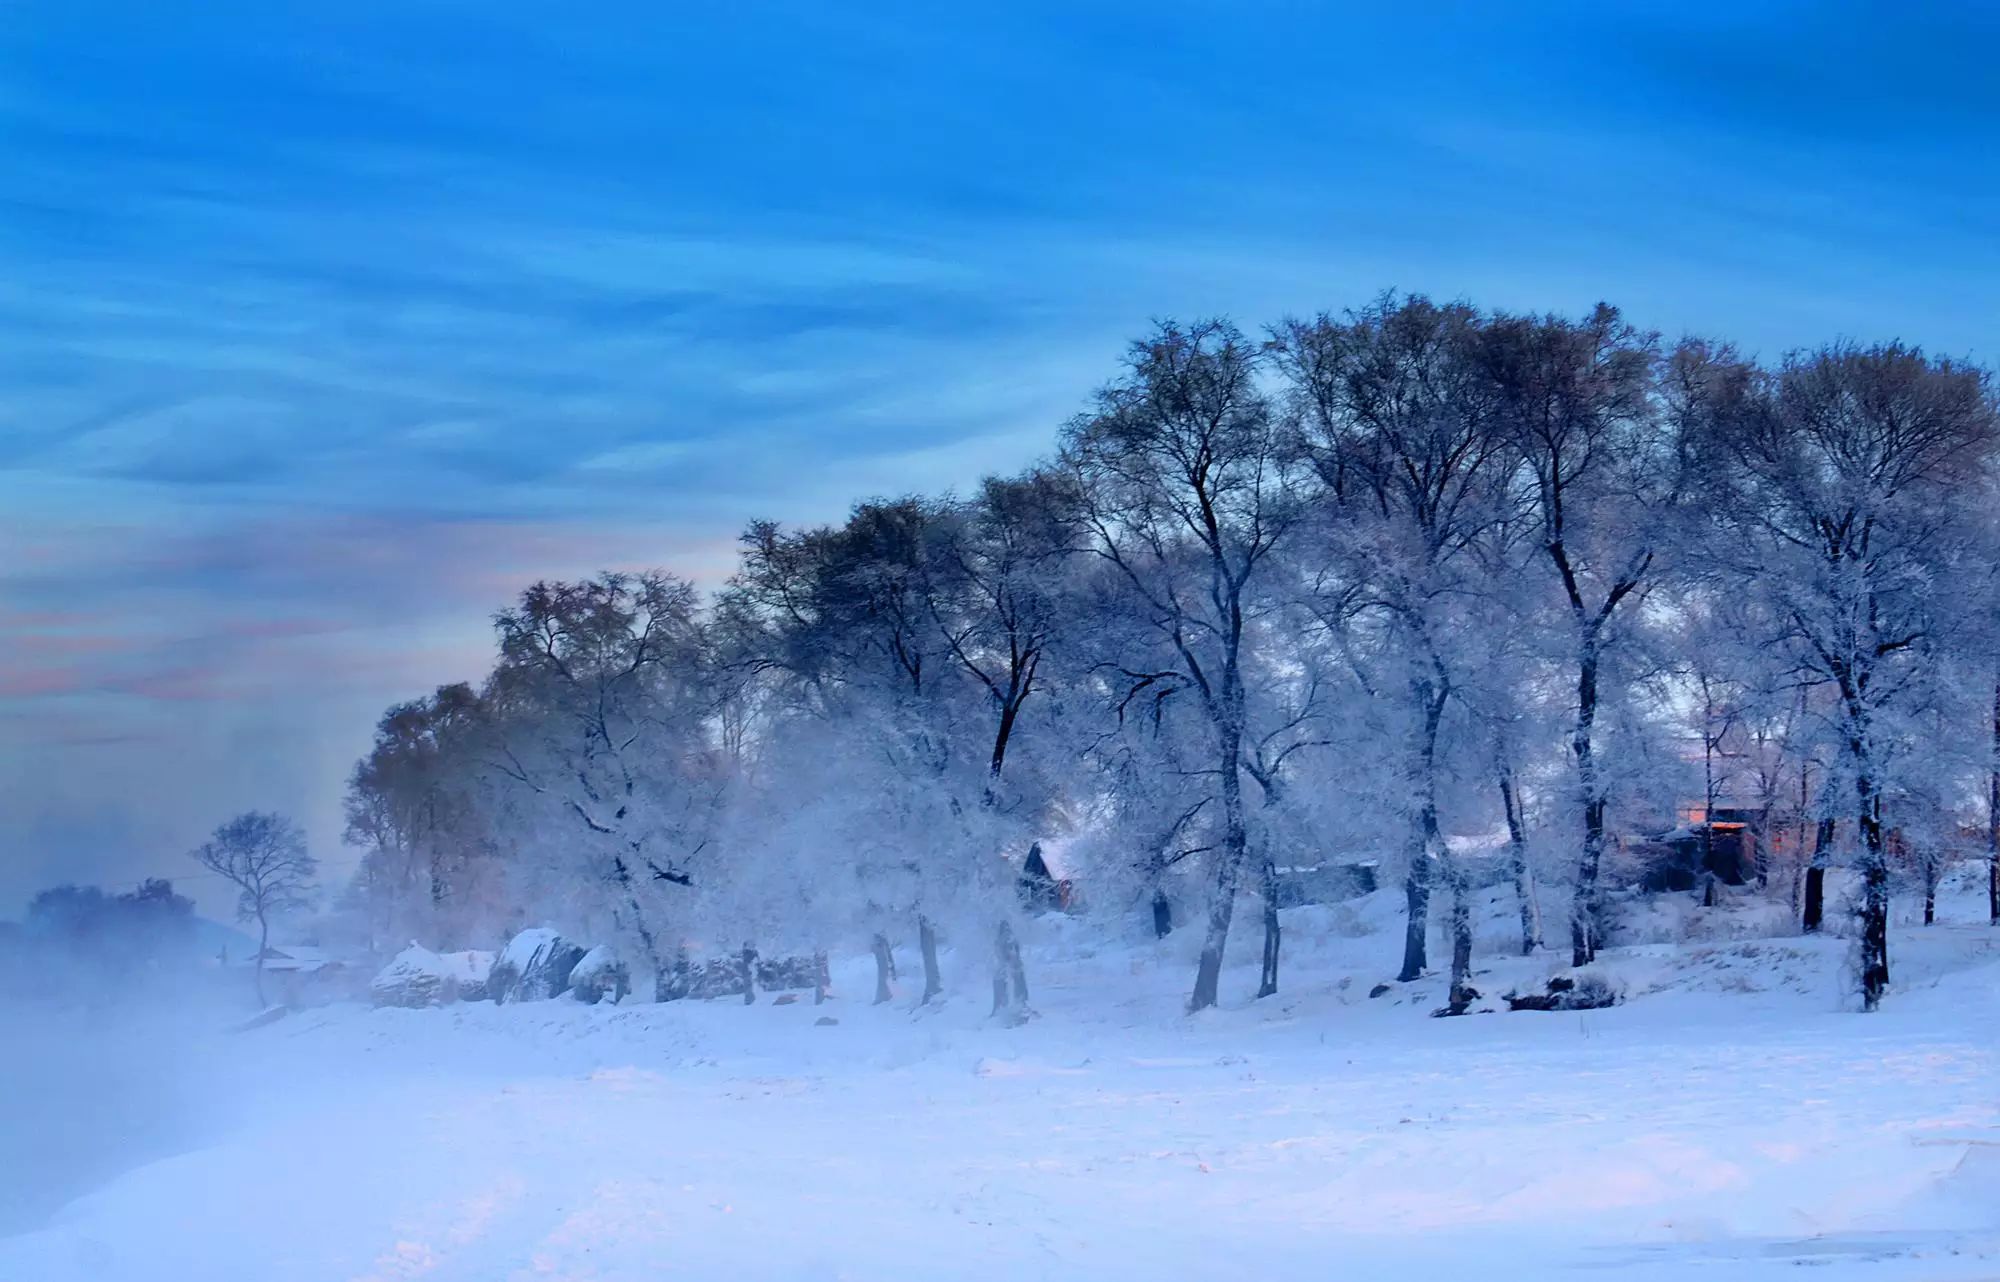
x: 1585, y: 990
x: 600, y: 976
x: 418, y: 977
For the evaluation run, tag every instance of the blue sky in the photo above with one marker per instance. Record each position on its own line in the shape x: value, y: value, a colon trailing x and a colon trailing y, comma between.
x: 323, y: 328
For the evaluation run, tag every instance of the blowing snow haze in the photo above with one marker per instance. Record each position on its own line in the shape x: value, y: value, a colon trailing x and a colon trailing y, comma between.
x: 847, y: 587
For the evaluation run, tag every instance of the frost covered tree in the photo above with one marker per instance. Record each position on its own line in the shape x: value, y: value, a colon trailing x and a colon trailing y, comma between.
x: 598, y: 716
x: 1577, y: 399
x: 997, y: 580
x: 413, y: 808
x: 910, y: 639
x: 1512, y: 721
x: 1415, y: 569
x: 1977, y: 663
x: 1398, y: 420
x: 1188, y: 486
x: 1851, y: 469
x: 836, y: 619
x: 264, y: 856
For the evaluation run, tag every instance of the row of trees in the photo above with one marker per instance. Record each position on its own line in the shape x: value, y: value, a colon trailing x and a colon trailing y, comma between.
x: 1355, y: 586
x: 88, y: 940
x: 102, y: 938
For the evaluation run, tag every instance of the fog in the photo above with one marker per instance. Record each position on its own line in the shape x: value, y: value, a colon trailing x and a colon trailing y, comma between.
x: 88, y: 1094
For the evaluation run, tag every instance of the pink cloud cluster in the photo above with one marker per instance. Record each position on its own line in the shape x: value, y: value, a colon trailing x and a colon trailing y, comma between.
x: 320, y: 604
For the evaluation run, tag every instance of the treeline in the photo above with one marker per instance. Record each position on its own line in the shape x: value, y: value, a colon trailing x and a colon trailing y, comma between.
x: 84, y: 939
x: 1346, y: 587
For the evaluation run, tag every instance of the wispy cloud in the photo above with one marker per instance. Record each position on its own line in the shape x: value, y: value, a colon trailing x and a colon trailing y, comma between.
x: 323, y: 330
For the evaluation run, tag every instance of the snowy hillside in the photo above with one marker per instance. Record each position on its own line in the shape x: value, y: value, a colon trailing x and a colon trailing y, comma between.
x: 1730, y: 1120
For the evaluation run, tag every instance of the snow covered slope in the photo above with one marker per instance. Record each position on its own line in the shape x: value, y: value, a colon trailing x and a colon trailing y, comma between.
x: 1731, y: 1121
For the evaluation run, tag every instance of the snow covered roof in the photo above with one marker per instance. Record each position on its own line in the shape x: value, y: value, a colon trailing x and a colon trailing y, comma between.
x: 1476, y: 843
x: 297, y: 957
x: 1057, y: 857
x: 295, y: 952
x: 470, y: 966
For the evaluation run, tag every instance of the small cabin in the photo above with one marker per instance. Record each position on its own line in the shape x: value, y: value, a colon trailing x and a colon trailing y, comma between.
x: 1041, y: 890
x: 1722, y: 844
x: 1325, y: 883
x: 301, y: 975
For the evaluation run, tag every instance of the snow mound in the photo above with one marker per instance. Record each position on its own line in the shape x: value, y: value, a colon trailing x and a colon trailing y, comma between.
x: 1970, y: 1190
x: 418, y: 977
x: 534, y: 966
x: 1578, y: 990
x: 600, y: 976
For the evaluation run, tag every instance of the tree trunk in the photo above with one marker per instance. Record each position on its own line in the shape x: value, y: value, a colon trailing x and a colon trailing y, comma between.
x: 927, y: 945
x: 1815, y: 909
x: 1416, y: 924
x: 1009, y: 971
x: 1462, y: 994
x: 1524, y: 877
x: 1707, y: 804
x: 1010, y: 975
x: 1425, y: 861
x: 883, y: 966
x: 1586, y: 909
x: 1993, y: 819
x: 1875, y: 895
x: 749, y: 962
x: 822, y: 978
x: 1222, y: 903
x: 263, y: 946
x: 1267, y: 984
x: 623, y: 875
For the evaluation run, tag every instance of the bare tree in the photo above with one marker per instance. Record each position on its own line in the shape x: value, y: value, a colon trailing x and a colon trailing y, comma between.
x: 264, y: 856
x: 1186, y: 491
x: 994, y: 583
x: 1395, y: 413
x: 1576, y: 398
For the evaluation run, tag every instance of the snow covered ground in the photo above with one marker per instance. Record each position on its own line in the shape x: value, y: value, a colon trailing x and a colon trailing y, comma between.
x: 1731, y: 1121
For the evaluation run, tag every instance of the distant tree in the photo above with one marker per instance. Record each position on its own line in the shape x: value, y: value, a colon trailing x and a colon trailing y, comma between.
x: 116, y: 934
x: 68, y: 912
x: 264, y: 856
x: 412, y: 809
x: 154, y: 923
